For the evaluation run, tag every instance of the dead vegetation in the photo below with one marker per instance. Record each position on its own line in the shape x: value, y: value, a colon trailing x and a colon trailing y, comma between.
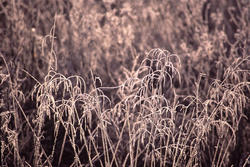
x: 80, y: 85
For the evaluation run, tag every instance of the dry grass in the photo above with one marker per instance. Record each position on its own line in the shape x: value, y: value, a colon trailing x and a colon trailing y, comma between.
x: 77, y: 88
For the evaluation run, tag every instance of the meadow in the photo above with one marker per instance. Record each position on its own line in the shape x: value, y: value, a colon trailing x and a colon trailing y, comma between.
x: 145, y: 83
